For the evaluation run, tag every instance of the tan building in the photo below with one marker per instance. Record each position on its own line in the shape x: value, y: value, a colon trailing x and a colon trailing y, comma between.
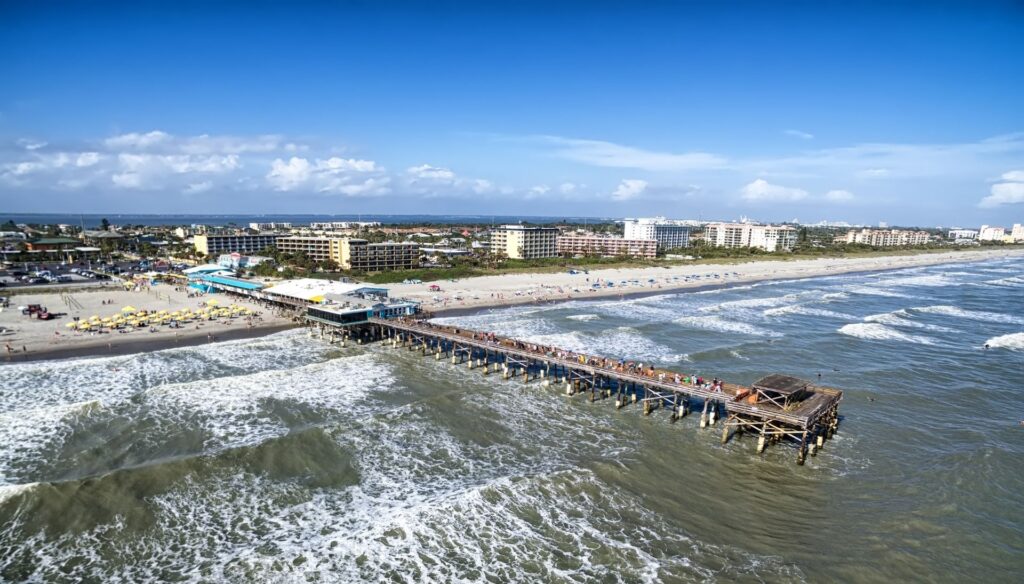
x: 590, y: 244
x: 214, y: 245
x: 359, y: 254
x: 520, y: 242
x: 317, y: 249
x: 354, y: 254
x: 766, y: 237
x: 887, y: 237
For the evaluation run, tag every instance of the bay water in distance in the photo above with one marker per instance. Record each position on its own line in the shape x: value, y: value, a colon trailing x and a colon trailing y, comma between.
x: 285, y: 459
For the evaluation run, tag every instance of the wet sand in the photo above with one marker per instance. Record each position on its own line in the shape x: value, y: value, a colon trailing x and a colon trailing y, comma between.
x: 470, y: 294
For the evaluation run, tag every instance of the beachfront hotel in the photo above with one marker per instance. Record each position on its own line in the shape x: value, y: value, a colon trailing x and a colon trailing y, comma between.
x: 214, y: 245
x: 520, y: 242
x: 354, y: 254
x: 668, y: 234
x: 887, y: 237
x: 766, y: 237
x: 269, y: 226
x: 603, y: 245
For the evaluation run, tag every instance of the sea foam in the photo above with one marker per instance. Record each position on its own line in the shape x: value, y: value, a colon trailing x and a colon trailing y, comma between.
x: 1013, y: 342
x: 880, y: 332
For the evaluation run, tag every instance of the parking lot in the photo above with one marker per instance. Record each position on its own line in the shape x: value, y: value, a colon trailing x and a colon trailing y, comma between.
x: 59, y: 274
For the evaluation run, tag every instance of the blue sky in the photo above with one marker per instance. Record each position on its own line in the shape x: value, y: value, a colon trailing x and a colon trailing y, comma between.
x: 902, y: 112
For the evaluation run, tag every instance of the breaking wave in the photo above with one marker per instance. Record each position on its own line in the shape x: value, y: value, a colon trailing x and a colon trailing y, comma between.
x: 880, y: 332
x: 979, y: 315
x: 718, y: 324
x: 1013, y: 342
x: 901, y: 318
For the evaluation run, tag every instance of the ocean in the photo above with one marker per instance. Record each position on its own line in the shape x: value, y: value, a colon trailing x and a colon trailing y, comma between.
x: 93, y: 220
x: 285, y: 459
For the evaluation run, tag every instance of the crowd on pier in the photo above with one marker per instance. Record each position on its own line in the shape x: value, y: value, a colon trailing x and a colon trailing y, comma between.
x: 620, y: 366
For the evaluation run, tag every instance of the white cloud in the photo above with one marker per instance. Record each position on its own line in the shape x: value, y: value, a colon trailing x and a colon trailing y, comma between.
x: 431, y: 173
x: 285, y: 176
x: 31, y: 145
x: 762, y: 190
x: 86, y: 159
x: 200, y: 187
x: 127, y: 180
x: 370, y: 186
x: 539, y: 189
x: 1006, y: 193
x: 136, y: 140
x: 798, y: 134
x: 566, y: 188
x: 629, y: 189
x: 336, y: 165
x: 345, y: 176
x: 839, y: 196
x: 608, y: 154
x: 482, y: 186
x: 873, y: 172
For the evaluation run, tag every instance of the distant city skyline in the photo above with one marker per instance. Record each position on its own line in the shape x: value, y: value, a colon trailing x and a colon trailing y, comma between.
x: 908, y: 115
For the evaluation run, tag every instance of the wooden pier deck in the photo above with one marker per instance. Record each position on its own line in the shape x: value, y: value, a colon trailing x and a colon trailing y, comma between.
x: 777, y: 408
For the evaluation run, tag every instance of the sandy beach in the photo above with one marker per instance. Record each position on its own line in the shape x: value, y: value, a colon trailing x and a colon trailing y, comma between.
x: 31, y: 339
x: 510, y: 289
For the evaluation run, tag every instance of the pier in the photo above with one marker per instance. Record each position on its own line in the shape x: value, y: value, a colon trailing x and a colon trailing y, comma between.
x: 776, y: 409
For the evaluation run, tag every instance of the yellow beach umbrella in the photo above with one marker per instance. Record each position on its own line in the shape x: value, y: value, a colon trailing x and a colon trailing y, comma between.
x: 70, y: 325
x: 84, y: 325
x: 94, y: 317
x: 129, y: 309
x: 212, y: 302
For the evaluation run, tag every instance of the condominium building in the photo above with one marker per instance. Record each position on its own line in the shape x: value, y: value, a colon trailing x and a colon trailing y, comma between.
x: 525, y: 243
x: 269, y: 226
x: 989, y: 233
x: 963, y: 234
x: 668, y: 234
x: 590, y: 244
x: 213, y: 245
x: 887, y: 237
x: 361, y: 255
x: 354, y: 254
x: 1017, y: 233
x: 332, y: 225
x: 766, y: 237
x: 317, y: 249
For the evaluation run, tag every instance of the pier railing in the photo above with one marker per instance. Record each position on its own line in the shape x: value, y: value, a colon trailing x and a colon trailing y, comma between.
x: 808, y: 420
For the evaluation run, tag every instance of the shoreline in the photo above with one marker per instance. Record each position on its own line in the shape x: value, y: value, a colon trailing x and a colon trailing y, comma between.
x: 130, y: 346
x: 813, y: 269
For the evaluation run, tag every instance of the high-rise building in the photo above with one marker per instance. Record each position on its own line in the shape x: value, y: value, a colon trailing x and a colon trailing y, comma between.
x: 525, y: 243
x: 887, y: 237
x: 354, y: 254
x: 1017, y: 233
x: 963, y: 234
x: 766, y: 237
x: 317, y: 249
x: 989, y: 233
x: 668, y: 234
x: 269, y: 226
x: 214, y: 245
x: 591, y: 244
